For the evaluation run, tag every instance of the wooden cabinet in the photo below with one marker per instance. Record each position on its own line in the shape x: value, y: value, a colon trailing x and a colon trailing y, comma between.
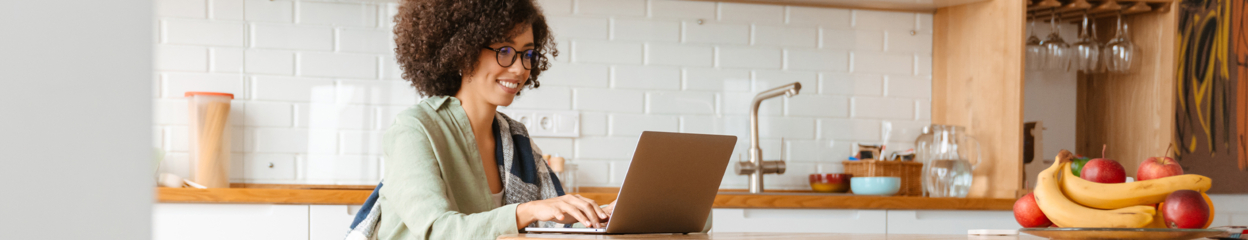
x: 229, y: 221
x: 947, y: 222
x: 798, y: 220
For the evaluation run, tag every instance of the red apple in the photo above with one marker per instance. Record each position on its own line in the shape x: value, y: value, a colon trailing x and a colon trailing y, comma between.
x: 1104, y: 170
x: 1028, y: 214
x: 1185, y: 209
x: 1158, y: 167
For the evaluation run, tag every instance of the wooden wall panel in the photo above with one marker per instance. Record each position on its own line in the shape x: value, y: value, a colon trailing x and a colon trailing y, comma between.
x: 977, y: 82
x: 1133, y: 113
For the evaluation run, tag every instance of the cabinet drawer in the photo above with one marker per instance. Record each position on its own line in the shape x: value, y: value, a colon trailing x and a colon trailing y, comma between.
x: 798, y: 220
x: 176, y: 221
x: 947, y: 222
x: 330, y: 222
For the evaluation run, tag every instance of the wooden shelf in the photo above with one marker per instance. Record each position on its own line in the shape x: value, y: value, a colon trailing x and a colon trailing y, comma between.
x: 727, y: 199
x: 886, y: 5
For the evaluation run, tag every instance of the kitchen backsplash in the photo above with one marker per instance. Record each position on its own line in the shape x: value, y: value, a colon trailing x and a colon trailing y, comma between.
x: 316, y: 84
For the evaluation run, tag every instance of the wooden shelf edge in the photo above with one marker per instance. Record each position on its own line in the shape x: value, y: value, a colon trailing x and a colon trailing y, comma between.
x: 778, y: 201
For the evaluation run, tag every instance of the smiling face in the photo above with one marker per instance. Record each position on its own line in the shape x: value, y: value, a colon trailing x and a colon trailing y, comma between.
x: 489, y: 81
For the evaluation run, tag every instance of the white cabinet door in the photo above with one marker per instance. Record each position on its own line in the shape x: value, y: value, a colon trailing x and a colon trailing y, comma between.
x: 330, y: 222
x: 947, y: 222
x: 176, y: 221
x: 798, y: 220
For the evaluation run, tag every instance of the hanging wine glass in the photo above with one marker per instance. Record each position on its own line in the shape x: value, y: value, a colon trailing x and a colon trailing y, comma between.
x: 1058, y: 51
x: 1035, y: 52
x: 1121, y: 51
x: 1087, y: 51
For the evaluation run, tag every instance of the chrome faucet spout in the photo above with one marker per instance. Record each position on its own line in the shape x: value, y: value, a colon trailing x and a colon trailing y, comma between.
x: 756, y: 167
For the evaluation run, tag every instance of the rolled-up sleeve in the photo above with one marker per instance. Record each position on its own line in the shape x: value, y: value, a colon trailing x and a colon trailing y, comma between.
x: 416, y: 193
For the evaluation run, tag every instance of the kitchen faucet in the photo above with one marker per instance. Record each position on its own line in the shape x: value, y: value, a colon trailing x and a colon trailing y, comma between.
x: 756, y: 167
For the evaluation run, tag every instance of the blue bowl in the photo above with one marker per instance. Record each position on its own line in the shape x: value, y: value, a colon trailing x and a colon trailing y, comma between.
x: 883, y: 186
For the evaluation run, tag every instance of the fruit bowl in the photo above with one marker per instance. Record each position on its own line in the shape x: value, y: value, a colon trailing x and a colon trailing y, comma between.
x: 830, y: 182
x: 1124, y: 233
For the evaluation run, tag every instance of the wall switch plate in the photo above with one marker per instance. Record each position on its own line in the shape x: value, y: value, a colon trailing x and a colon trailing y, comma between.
x: 547, y: 123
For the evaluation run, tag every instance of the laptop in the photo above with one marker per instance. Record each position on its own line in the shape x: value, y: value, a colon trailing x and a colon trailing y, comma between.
x: 670, y: 185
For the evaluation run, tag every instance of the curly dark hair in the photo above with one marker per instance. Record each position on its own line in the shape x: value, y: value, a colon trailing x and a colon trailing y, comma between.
x: 436, y: 39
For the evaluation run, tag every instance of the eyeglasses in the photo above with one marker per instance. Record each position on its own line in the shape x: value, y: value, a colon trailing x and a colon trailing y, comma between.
x: 507, y: 56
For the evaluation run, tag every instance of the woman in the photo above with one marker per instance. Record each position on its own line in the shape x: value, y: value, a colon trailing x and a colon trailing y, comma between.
x: 455, y: 168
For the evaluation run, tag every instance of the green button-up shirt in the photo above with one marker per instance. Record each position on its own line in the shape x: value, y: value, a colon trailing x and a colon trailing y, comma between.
x: 435, y: 184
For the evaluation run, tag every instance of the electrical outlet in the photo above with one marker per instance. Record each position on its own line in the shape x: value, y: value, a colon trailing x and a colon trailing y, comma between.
x: 547, y: 123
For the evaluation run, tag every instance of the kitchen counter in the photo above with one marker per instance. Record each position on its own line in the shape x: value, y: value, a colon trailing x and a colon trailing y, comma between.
x: 728, y: 198
x: 754, y: 236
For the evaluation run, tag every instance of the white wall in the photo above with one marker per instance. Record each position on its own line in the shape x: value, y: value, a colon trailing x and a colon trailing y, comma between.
x: 75, y: 130
x: 317, y: 84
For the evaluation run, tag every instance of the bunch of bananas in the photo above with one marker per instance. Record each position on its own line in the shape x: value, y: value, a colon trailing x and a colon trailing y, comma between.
x: 1070, y: 201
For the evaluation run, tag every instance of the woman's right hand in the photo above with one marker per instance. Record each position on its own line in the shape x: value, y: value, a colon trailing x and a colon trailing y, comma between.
x: 563, y: 209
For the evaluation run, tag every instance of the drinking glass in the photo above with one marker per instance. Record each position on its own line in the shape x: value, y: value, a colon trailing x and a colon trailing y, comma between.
x: 1120, y: 50
x: 1035, y: 52
x: 1058, y: 51
x: 1088, y: 50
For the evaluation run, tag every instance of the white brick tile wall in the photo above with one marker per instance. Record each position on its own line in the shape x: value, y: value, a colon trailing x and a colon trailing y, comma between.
x: 607, y: 52
x: 645, y: 30
x: 744, y: 57
x: 611, y: 7
x: 820, y: 60
x: 710, y: 79
x: 270, y: 11
x: 202, y: 32
x: 182, y: 8
x: 846, y: 39
x: 555, y: 7
x: 577, y: 75
x: 578, y: 27
x: 337, y: 14
x: 751, y: 13
x: 817, y: 106
x: 337, y: 65
x: 670, y: 102
x: 849, y: 129
x: 605, y: 147
x: 883, y: 108
x: 269, y: 167
x: 317, y: 82
x: 291, y: 88
x: 646, y: 77
x: 736, y: 34
x: 226, y: 60
x: 545, y: 97
x: 177, y: 84
x: 593, y: 124
x: 786, y: 127
x: 908, y: 87
x: 365, y: 40
x: 181, y: 58
x: 851, y: 84
x: 631, y: 125
x: 614, y: 100
x: 680, y: 55
x: 823, y: 17
x: 903, y: 42
x: 227, y: 9
x: 682, y: 9
x: 768, y: 35
x: 292, y: 37
x: 888, y: 20
x: 883, y: 63
x: 270, y: 62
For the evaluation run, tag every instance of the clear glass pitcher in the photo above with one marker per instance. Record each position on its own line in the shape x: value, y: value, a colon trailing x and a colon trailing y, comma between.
x: 948, y: 154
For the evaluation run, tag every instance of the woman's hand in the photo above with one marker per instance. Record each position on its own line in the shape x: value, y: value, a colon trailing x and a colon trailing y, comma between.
x: 610, y: 208
x: 563, y: 209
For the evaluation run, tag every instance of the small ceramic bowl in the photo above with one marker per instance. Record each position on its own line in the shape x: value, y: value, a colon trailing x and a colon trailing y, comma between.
x: 883, y: 186
x: 830, y: 182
